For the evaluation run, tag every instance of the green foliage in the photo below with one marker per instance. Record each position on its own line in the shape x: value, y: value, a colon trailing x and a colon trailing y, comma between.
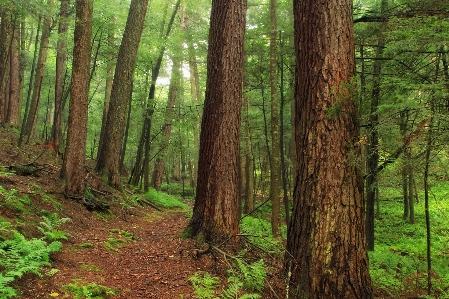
x: 204, y: 284
x: 243, y: 279
x: 258, y: 232
x: 49, y: 227
x: 89, y: 291
x: 118, y: 238
x: 46, y: 198
x: 13, y: 201
x: 19, y: 255
x: 399, y: 261
x: 165, y: 200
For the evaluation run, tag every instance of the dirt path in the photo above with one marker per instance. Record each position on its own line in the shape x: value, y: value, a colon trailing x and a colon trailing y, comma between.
x: 156, y: 264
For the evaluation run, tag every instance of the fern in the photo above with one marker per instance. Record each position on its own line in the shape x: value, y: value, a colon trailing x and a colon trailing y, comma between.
x: 49, y: 227
x: 247, y: 277
x: 204, y: 284
x: 19, y: 256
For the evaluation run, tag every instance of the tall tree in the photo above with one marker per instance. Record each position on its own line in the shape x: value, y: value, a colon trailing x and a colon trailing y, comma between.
x: 275, y: 157
x: 30, y: 125
x: 61, y: 57
x: 141, y: 166
x: 73, y: 167
x: 6, y: 28
x: 215, y: 213
x: 109, y: 153
x: 15, y: 79
x: 326, y: 248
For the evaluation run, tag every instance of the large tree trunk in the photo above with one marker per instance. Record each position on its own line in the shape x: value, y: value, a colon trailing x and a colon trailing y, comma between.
x: 215, y: 213
x: 30, y: 125
x: 61, y: 58
x: 73, y: 168
x: 109, y: 153
x: 326, y: 247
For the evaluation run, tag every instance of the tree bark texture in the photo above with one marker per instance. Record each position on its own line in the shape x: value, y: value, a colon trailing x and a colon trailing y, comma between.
x: 6, y: 29
x: 326, y: 248
x: 61, y: 59
x: 109, y: 153
x: 75, y: 152
x: 215, y: 213
x: 15, y: 80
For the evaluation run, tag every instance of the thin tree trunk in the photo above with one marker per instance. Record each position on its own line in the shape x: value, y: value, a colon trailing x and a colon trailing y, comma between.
x: 175, y: 83
x: 32, y: 72
x: 15, y: 80
x: 109, y: 152
x: 281, y: 139
x: 30, y: 125
x: 61, y: 59
x: 146, y: 129
x: 274, y: 126
x: 108, y: 87
x: 6, y: 33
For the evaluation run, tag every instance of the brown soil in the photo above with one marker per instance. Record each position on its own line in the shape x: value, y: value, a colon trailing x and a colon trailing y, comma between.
x: 152, y: 261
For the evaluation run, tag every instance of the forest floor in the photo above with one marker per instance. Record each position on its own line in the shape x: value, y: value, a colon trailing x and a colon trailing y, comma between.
x: 134, y: 252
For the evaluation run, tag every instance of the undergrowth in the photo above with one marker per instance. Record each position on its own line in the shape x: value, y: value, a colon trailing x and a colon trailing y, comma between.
x: 399, y: 263
x: 245, y: 281
x: 89, y: 291
x: 19, y: 255
x: 165, y: 200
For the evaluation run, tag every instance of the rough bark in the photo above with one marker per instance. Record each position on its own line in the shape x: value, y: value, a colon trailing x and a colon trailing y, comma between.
x: 15, y: 80
x: 326, y: 247
x: 61, y: 59
x: 5, y: 36
x: 109, y: 153
x: 215, y: 213
x: 74, y: 158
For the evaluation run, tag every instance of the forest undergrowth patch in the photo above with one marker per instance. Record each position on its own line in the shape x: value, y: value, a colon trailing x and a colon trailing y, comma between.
x: 398, y: 265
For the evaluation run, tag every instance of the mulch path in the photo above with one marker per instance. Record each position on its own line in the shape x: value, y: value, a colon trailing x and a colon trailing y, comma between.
x: 156, y: 265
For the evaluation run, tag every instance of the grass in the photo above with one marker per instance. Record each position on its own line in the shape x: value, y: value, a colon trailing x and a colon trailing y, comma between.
x: 165, y: 200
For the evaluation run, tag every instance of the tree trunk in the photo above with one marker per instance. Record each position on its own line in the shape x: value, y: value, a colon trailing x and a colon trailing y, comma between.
x: 326, y: 246
x: 108, y: 88
x: 61, y: 59
x: 275, y: 173
x: 215, y: 213
x: 175, y: 83
x: 6, y: 33
x: 74, y: 158
x: 15, y: 80
x: 109, y: 153
x: 33, y: 69
x: 281, y: 138
x: 146, y: 129
x: 404, y: 170
x: 30, y: 125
